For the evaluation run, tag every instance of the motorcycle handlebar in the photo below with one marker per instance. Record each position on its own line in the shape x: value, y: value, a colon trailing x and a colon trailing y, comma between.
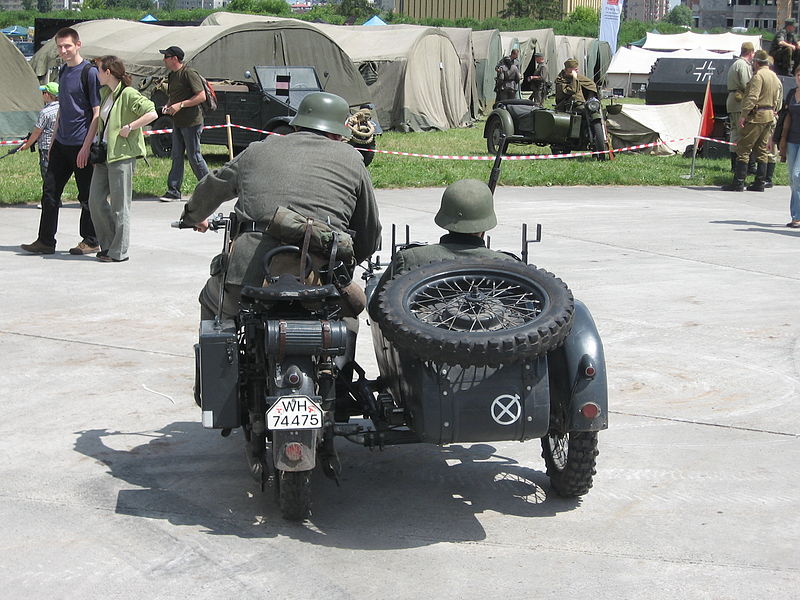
x: 215, y: 223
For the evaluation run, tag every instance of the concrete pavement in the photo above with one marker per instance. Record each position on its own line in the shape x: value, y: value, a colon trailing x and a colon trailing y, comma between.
x: 111, y: 488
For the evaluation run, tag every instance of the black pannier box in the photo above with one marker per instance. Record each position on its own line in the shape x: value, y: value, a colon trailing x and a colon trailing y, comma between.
x: 218, y: 361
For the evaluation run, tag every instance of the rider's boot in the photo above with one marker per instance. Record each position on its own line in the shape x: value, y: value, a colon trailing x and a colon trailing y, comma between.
x: 733, y: 162
x: 761, y: 174
x: 752, y: 165
x: 770, y: 173
x: 739, y: 174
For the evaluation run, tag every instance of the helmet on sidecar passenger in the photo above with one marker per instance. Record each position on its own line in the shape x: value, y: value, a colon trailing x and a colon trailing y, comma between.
x: 322, y: 111
x: 467, y: 207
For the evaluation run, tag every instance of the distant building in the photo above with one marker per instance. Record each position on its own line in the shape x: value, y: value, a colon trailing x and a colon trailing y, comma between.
x: 10, y: 4
x: 472, y: 9
x: 748, y: 14
x: 645, y: 10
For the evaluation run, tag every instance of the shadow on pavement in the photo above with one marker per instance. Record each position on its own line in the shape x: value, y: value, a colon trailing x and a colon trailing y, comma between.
x: 779, y: 228
x: 402, y: 497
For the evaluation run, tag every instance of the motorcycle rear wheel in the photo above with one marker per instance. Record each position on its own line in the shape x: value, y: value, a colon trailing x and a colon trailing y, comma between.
x: 570, y: 459
x: 294, y: 494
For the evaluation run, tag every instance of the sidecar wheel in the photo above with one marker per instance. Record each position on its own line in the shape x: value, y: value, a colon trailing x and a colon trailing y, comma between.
x: 599, y: 140
x: 294, y: 494
x: 494, y: 129
x: 475, y: 312
x: 570, y: 460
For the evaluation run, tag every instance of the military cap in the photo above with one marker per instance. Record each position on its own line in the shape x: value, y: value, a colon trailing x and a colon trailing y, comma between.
x: 747, y: 47
x: 538, y: 55
x: 761, y: 57
x: 790, y: 22
x: 570, y: 63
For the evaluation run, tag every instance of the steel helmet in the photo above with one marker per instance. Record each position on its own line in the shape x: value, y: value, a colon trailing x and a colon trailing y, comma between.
x: 322, y: 111
x: 467, y: 207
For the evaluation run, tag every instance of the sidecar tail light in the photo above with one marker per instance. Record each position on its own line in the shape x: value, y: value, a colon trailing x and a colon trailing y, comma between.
x: 590, y: 410
x: 293, y: 451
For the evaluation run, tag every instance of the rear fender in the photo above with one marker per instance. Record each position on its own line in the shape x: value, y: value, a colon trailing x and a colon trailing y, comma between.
x: 309, y: 438
x: 576, y: 387
x: 505, y: 119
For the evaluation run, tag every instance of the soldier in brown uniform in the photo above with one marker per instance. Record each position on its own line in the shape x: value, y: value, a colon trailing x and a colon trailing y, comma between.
x: 763, y: 98
x: 572, y: 86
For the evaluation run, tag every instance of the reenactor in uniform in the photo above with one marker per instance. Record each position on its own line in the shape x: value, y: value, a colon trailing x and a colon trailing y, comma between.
x: 785, y: 49
x: 309, y: 171
x: 739, y: 75
x: 466, y: 212
x: 762, y: 100
x: 539, y: 80
x: 572, y: 86
x: 508, y: 77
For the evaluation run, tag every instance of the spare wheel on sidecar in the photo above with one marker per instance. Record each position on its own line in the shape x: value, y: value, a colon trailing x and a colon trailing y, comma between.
x: 475, y: 312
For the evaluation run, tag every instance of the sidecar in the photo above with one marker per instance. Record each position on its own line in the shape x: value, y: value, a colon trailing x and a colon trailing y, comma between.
x: 492, y: 350
x: 525, y: 122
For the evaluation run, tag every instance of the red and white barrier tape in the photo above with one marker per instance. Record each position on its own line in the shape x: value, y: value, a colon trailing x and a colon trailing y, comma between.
x: 456, y: 157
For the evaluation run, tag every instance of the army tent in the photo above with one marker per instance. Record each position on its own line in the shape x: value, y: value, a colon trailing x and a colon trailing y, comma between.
x: 719, y: 42
x: 598, y: 60
x: 536, y: 40
x: 218, y: 52
x: 412, y: 72
x: 488, y: 52
x: 20, y: 98
x: 673, y: 124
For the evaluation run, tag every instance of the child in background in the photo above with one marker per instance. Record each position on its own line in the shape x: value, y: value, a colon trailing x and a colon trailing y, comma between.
x: 43, y: 131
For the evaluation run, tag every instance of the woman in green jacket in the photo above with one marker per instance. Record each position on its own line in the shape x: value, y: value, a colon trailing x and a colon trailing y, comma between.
x: 123, y: 113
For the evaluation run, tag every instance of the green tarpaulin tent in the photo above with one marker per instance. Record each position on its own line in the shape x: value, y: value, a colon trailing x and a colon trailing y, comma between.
x: 20, y: 98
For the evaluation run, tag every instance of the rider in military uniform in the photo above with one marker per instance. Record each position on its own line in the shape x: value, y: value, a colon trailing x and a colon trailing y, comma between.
x: 763, y: 98
x: 785, y: 49
x: 572, y: 86
x: 539, y: 80
x: 508, y: 77
x: 466, y: 212
x: 310, y: 171
x: 739, y: 75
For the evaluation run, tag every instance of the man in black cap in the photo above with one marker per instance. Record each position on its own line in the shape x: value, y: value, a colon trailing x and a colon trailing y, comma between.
x: 186, y: 94
x: 539, y: 80
x: 785, y: 50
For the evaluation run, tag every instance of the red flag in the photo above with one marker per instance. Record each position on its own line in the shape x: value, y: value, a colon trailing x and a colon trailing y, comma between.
x: 707, y: 118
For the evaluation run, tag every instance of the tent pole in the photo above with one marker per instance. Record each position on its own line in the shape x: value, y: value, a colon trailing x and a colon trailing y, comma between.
x: 694, y: 157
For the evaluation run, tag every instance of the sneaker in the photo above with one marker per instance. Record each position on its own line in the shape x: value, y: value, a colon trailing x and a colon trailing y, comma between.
x: 171, y: 197
x: 793, y: 224
x: 84, y: 248
x: 38, y: 247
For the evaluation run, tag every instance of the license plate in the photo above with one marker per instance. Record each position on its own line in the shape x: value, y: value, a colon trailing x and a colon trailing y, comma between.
x: 294, y: 412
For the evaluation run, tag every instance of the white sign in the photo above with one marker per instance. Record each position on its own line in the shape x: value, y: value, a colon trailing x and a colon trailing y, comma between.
x: 506, y: 409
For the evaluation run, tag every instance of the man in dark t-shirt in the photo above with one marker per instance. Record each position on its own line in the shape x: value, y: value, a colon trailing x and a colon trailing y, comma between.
x: 75, y: 128
x: 186, y: 94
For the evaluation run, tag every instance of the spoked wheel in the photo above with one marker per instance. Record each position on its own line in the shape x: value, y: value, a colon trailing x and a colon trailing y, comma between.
x: 294, y: 494
x: 494, y: 129
x: 599, y: 140
x: 570, y: 460
x: 475, y: 312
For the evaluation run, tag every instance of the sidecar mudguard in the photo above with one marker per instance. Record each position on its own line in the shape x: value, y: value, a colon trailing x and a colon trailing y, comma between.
x: 578, y: 374
x: 505, y: 119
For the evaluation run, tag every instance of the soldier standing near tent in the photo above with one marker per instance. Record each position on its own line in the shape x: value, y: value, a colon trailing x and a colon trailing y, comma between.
x: 785, y: 49
x: 763, y: 98
x: 539, y: 80
x: 739, y: 76
x: 507, y: 79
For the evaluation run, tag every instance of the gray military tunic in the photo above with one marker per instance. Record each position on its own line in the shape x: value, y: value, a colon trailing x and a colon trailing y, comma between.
x: 304, y: 171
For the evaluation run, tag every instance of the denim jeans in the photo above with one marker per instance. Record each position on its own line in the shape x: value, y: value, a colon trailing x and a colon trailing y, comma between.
x: 185, y: 139
x: 793, y: 164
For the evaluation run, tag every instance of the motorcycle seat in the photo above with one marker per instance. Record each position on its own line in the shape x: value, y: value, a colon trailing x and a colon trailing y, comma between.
x: 287, y: 288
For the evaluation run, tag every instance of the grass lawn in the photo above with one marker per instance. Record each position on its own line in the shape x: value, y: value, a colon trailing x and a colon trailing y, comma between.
x: 20, y: 181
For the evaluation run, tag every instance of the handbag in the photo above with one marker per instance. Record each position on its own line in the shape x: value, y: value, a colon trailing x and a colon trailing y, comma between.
x: 98, y: 153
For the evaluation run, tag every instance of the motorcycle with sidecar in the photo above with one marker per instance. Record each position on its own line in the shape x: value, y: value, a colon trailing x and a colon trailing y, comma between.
x: 468, y: 351
x: 576, y: 126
